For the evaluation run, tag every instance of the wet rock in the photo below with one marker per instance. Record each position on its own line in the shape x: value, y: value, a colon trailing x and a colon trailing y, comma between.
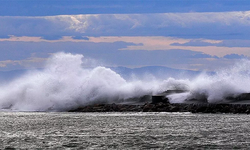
x: 240, y: 97
x: 159, y: 99
x: 148, y: 107
x: 167, y: 107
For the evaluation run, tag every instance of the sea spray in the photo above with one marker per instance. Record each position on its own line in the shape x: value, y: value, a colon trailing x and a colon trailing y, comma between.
x: 216, y: 88
x: 65, y: 84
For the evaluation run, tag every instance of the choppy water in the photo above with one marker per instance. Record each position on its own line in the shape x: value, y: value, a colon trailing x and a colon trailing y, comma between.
x: 31, y: 130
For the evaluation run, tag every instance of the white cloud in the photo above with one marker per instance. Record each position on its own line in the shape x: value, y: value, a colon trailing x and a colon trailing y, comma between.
x: 212, y: 24
x: 139, y: 32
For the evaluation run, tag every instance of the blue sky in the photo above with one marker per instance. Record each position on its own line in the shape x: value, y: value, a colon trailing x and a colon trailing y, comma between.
x: 73, y: 7
x: 183, y: 34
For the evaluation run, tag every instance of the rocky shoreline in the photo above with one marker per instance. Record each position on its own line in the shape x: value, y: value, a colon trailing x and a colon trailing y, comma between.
x: 160, y: 103
x: 167, y: 107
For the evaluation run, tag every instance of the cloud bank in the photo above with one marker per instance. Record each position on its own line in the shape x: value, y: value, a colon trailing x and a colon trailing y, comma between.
x: 206, y: 38
x: 107, y: 53
x: 211, y: 25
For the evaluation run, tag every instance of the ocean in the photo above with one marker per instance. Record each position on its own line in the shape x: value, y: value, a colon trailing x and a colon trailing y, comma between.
x: 140, y: 130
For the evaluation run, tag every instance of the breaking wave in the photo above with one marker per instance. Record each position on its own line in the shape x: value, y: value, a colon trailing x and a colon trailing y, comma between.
x: 65, y: 84
x: 228, y: 82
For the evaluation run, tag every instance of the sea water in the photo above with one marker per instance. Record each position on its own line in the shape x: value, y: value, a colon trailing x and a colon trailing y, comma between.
x: 57, y: 130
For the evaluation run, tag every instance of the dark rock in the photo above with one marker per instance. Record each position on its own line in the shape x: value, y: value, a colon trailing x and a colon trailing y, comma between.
x: 168, y: 92
x: 242, y: 96
x: 159, y: 99
x: 167, y: 107
x: 162, y: 97
x: 148, y: 107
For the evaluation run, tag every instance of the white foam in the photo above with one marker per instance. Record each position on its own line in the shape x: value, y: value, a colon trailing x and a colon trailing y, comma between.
x: 65, y: 84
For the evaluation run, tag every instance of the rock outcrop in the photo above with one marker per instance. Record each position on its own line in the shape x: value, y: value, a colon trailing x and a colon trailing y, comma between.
x: 167, y: 107
x: 160, y: 103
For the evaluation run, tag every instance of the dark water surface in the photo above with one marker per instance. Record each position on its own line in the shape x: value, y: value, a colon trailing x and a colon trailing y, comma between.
x: 26, y: 130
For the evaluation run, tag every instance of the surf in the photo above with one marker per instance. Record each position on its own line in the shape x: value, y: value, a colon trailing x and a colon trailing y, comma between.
x: 66, y: 83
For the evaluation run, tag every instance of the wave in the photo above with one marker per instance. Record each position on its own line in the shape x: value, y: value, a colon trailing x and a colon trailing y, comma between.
x: 65, y: 84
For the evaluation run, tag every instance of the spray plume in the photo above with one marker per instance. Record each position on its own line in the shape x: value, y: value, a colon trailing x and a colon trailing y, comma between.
x: 65, y: 84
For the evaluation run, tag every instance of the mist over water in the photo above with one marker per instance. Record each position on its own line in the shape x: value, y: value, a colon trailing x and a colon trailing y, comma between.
x: 230, y: 81
x: 65, y: 84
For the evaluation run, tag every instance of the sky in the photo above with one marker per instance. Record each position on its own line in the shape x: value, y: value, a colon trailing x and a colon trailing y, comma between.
x: 181, y: 34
